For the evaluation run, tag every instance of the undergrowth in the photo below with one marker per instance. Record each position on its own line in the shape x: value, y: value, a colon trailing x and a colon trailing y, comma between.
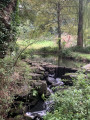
x: 73, y: 103
x: 12, y: 81
x: 80, y: 49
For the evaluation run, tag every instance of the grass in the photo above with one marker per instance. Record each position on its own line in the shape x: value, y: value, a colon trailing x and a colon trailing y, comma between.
x: 72, y: 103
x: 12, y: 82
x: 41, y: 43
x: 82, y: 55
x: 50, y: 46
x: 76, y: 55
x: 80, y: 49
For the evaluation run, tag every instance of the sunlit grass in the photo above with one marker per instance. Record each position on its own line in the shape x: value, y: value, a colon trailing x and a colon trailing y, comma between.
x: 81, y: 55
x: 38, y: 45
x: 48, y: 46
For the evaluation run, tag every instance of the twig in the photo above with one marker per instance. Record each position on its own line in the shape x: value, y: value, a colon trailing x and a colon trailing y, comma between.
x: 22, y: 52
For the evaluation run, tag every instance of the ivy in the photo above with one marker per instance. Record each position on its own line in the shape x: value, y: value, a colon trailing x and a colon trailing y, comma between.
x: 8, y: 30
x: 4, y: 3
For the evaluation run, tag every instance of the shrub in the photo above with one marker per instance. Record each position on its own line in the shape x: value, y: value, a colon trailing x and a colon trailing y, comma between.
x: 80, y: 49
x: 73, y: 103
x: 66, y: 52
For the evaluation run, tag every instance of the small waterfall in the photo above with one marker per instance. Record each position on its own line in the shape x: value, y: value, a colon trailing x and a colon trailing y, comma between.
x: 42, y: 107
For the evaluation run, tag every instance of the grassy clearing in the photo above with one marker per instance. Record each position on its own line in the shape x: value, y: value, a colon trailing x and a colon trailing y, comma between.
x: 50, y: 46
x: 41, y: 43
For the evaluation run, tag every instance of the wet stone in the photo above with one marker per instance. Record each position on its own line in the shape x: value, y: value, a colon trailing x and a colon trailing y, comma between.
x: 40, y: 86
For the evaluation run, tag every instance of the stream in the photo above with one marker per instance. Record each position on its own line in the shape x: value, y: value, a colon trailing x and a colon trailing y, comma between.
x: 42, y: 107
x: 57, y: 60
x: 54, y: 79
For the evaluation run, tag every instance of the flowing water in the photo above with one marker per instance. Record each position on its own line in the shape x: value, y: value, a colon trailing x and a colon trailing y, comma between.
x: 42, y: 107
x: 57, y: 60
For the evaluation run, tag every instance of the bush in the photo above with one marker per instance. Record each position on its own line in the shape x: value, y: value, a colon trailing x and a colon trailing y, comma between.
x: 66, y: 53
x: 73, y: 103
x: 48, y: 50
x: 80, y: 49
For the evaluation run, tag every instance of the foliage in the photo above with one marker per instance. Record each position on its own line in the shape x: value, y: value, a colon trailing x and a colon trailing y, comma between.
x: 80, y: 49
x: 35, y: 92
x: 66, y: 52
x: 43, y: 97
x: 40, y: 17
x: 73, y: 103
x: 45, y: 17
x: 8, y: 26
x: 11, y: 82
x: 3, y: 3
x: 49, y: 46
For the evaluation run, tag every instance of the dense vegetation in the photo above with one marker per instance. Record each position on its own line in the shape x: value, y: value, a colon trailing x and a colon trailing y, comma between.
x: 51, y: 27
x: 8, y: 23
x: 73, y: 103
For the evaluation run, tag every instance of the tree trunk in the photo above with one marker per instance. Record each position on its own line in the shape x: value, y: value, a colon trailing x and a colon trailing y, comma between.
x: 6, y: 32
x: 59, y: 25
x: 80, y: 25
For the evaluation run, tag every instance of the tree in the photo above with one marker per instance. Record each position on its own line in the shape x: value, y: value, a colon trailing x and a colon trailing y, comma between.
x: 8, y: 19
x: 86, y: 22
x: 59, y: 24
x: 52, y: 14
x: 80, y: 25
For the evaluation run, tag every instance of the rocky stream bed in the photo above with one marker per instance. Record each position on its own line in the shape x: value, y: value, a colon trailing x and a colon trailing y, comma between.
x: 44, y: 77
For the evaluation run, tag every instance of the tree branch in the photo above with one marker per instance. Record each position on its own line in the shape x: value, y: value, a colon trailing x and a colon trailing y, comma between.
x: 22, y: 52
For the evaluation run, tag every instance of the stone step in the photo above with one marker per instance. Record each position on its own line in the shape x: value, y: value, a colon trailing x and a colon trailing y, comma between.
x: 35, y: 76
x: 36, y: 69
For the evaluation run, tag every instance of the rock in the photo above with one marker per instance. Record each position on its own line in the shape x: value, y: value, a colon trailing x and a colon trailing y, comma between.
x: 39, y: 70
x: 35, y: 76
x: 69, y: 76
x: 35, y: 64
x: 87, y: 68
x: 45, y: 64
x: 46, y: 74
x: 50, y: 80
x: 40, y: 86
x: 28, y: 61
x: 17, y: 109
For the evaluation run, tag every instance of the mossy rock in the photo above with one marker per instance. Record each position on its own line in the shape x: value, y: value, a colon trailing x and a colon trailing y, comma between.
x: 70, y: 76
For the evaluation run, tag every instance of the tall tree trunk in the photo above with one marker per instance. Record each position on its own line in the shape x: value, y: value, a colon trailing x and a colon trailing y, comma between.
x: 6, y: 34
x: 59, y: 24
x: 80, y: 25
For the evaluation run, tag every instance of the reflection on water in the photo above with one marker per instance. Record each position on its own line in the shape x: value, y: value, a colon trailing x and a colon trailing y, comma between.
x: 57, y: 60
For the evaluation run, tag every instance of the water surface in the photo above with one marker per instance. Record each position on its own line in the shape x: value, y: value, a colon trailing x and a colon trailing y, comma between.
x: 57, y: 60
